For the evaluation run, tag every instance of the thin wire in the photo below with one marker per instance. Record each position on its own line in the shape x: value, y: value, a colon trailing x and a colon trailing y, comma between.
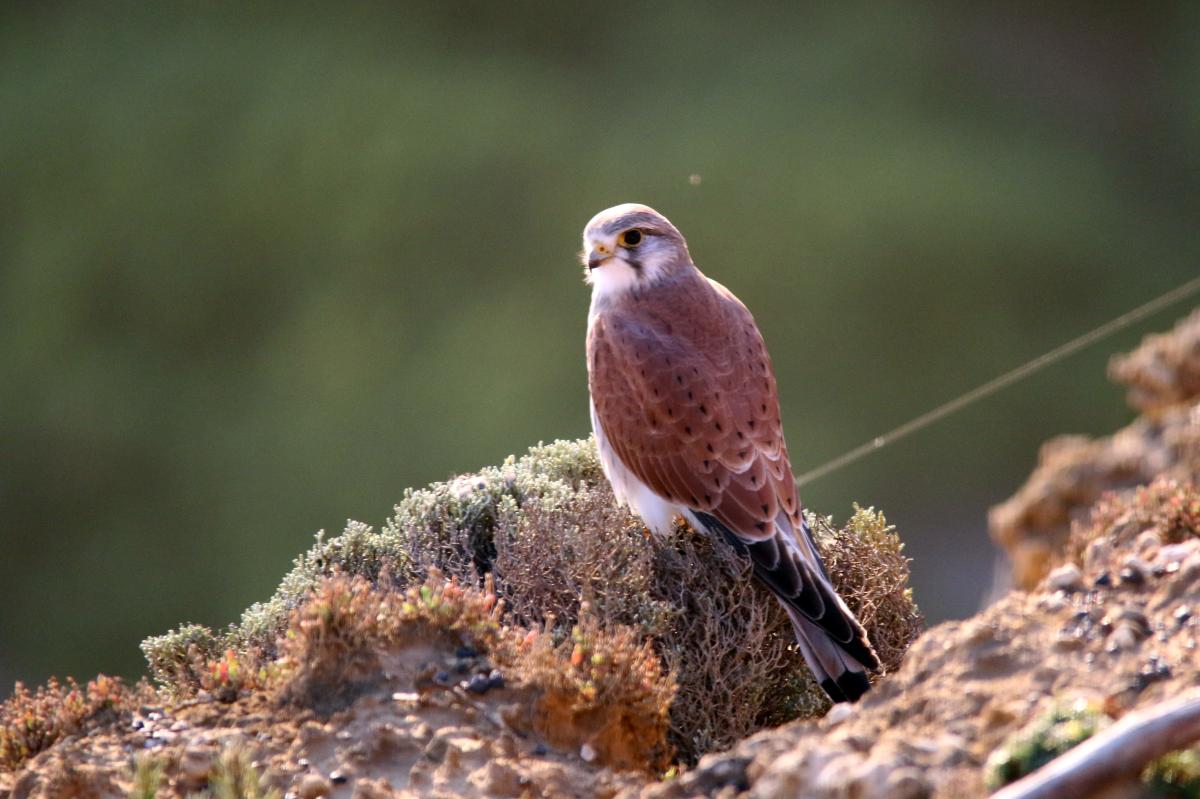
x: 992, y: 386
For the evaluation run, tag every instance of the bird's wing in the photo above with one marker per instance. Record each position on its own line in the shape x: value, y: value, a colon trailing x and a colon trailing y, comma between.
x: 686, y: 396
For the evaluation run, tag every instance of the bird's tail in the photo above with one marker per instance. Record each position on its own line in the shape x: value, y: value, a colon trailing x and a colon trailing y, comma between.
x: 838, y: 672
x: 832, y: 640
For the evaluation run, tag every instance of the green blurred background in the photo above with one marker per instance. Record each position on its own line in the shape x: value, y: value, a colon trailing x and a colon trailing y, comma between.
x: 261, y: 269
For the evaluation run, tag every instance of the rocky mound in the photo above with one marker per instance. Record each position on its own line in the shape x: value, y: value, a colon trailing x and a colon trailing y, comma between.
x: 1116, y: 630
x: 507, y: 632
x: 1163, y: 378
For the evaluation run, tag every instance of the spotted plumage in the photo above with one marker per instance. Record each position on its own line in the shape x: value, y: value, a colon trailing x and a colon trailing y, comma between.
x: 686, y: 416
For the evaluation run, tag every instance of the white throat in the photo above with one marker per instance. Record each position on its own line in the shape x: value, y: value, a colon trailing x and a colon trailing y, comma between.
x: 610, y: 281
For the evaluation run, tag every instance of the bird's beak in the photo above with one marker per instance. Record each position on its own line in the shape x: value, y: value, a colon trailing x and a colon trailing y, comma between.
x: 597, y: 255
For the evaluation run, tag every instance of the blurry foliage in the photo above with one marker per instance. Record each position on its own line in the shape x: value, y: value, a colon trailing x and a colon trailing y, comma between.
x: 149, y: 773
x: 1054, y: 732
x: 234, y: 776
x: 31, y: 721
x: 1175, y: 775
x: 260, y: 269
x: 1167, y: 509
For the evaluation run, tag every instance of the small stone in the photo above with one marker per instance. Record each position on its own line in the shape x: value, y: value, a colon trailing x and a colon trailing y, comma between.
x: 1052, y: 603
x: 1174, y: 553
x: 479, y: 684
x: 1189, y: 570
x: 496, y: 678
x: 302, y: 762
x: 1067, y: 578
x: 443, y: 678
x: 1134, y: 572
x: 435, y: 752
x: 839, y: 713
x: 338, y: 776
x: 1096, y: 556
x: 373, y: 789
x: 1066, y: 642
x: 908, y: 783
x: 1135, y: 619
x: 1103, y: 580
x: 506, y: 745
x: 195, y: 764
x: 1122, y: 640
x: 1148, y: 543
x: 1182, y: 614
x: 587, y: 752
x: 313, y: 786
x: 496, y: 779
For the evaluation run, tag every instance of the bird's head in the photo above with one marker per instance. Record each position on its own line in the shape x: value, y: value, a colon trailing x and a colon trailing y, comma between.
x: 628, y: 246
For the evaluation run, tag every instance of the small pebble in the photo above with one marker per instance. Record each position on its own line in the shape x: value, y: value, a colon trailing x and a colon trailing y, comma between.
x: 479, y: 684
x: 1066, y: 578
x: 1122, y: 640
x: 338, y: 777
x: 1136, y: 619
x: 506, y: 744
x: 1096, y: 555
x: 839, y: 713
x: 442, y: 678
x: 496, y: 678
x: 195, y: 763
x: 1052, y: 603
x: 1148, y: 542
x: 1134, y: 571
x: 1103, y: 580
x: 313, y: 786
x: 587, y: 752
x: 1175, y: 553
x: 1182, y: 614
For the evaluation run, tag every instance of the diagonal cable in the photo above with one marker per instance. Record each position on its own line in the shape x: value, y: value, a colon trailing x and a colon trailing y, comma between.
x: 1007, y: 379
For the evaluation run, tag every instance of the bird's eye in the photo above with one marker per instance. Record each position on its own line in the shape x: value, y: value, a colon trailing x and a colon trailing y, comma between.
x: 630, y: 238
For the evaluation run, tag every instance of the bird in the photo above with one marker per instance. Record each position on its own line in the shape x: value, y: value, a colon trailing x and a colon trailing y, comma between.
x: 686, y: 417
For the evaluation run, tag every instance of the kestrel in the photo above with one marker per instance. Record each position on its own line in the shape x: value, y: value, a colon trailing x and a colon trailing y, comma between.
x: 686, y: 416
